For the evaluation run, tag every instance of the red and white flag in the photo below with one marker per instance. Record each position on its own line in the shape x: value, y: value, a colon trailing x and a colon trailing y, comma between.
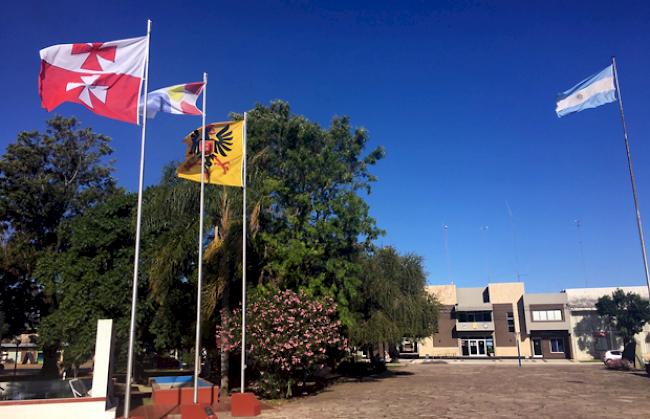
x: 104, y: 77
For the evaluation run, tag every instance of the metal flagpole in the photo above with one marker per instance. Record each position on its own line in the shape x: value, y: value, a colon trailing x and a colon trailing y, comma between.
x: 197, y: 344
x: 629, y: 165
x: 243, y: 282
x: 136, y: 258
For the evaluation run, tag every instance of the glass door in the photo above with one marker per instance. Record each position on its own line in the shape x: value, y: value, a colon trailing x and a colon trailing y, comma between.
x: 481, y: 347
x: 537, y: 347
x: 477, y: 347
x: 473, y: 347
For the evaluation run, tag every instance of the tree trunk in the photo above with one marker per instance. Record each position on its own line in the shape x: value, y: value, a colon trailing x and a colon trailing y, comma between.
x: 50, y: 367
x: 225, y: 361
x: 224, y: 386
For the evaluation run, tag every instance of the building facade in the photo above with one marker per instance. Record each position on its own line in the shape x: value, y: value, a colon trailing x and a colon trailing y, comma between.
x: 547, y: 325
x: 499, y: 320
x: 591, y: 335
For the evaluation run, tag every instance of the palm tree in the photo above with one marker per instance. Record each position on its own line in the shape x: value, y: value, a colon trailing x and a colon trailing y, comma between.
x: 172, y: 225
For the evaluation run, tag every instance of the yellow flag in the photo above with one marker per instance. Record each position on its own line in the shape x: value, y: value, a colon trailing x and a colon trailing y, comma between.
x: 223, y: 154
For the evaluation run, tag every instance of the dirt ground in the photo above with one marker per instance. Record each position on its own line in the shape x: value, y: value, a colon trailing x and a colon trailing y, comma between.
x: 472, y: 391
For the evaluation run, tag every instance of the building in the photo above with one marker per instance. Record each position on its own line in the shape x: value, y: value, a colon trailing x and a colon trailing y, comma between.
x: 498, y: 320
x: 591, y: 335
x: 547, y: 325
x: 478, y: 322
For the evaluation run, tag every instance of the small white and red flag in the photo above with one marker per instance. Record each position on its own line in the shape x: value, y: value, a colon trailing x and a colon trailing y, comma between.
x: 105, y: 77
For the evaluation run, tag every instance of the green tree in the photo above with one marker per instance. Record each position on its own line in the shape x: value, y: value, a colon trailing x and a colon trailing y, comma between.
x: 46, y: 179
x: 392, y: 303
x: 19, y: 309
x: 308, y: 219
x: 92, y: 279
x: 310, y: 185
x: 170, y: 231
x: 627, y: 312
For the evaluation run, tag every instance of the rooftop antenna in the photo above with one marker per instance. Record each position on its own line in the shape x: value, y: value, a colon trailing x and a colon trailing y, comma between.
x: 486, y: 243
x: 445, y: 229
x: 514, y: 242
x: 582, y: 252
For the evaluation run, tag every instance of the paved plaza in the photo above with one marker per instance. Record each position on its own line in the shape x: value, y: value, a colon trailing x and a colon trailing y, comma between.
x: 441, y: 390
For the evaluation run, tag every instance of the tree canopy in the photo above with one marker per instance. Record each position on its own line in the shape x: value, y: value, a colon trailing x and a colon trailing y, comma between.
x: 313, y: 218
x: 68, y: 231
x: 627, y: 312
x: 46, y: 179
x: 93, y: 278
x: 392, y: 303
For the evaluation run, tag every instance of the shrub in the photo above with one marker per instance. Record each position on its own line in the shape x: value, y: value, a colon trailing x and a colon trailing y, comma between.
x: 289, y: 336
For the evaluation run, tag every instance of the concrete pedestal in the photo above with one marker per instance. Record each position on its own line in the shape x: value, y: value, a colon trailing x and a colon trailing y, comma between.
x: 244, y: 404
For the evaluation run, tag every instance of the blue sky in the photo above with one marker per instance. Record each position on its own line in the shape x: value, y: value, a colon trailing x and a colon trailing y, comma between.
x: 461, y: 95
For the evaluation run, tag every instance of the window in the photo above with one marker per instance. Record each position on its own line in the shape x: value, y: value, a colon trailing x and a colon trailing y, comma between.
x: 557, y: 345
x: 511, y: 321
x: 547, y: 315
x: 474, y: 316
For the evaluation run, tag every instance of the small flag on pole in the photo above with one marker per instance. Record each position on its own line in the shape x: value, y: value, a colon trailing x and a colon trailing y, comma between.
x: 592, y: 92
x: 223, y: 154
x: 103, y: 77
x: 180, y: 100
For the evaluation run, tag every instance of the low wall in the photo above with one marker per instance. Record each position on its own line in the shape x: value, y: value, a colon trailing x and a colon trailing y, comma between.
x: 72, y: 408
x: 439, y: 352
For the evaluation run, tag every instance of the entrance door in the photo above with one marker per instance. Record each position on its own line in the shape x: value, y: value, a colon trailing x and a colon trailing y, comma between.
x: 473, y: 348
x: 477, y: 347
x: 537, y: 347
x: 481, y: 347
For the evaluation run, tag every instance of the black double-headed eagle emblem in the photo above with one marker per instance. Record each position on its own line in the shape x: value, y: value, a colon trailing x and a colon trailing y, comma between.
x: 217, y: 144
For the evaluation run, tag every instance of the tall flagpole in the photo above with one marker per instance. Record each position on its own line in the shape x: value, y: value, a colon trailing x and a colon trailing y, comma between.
x: 197, y: 343
x: 136, y: 259
x: 243, y: 274
x: 629, y: 165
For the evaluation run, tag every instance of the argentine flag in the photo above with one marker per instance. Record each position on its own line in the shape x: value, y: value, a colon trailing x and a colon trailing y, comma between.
x: 592, y: 92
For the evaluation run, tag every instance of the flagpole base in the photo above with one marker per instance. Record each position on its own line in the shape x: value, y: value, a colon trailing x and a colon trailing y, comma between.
x: 244, y: 404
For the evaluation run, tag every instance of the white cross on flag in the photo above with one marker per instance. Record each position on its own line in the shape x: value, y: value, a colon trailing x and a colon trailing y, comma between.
x: 104, y: 77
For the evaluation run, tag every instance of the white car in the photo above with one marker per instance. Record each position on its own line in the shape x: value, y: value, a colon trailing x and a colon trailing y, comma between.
x: 613, y: 359
x: 613, y: 355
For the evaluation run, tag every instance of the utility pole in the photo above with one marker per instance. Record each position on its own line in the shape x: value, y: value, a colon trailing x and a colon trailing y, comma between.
x: 518, y: 338
x: 582, y: 253
x: 486, y: 246
x: 514, y: 242
x: 445, y: 229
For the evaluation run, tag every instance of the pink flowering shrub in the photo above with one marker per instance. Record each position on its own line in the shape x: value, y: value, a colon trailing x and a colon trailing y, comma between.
x: 289, y: 336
